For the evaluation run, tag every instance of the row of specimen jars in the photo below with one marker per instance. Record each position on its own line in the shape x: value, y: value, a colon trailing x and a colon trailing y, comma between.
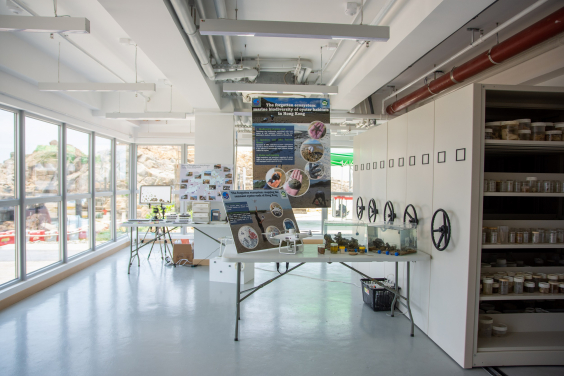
x: 523, y: 130
x: 504, y: 283
x: 530, y: 185
x: 510, y: 235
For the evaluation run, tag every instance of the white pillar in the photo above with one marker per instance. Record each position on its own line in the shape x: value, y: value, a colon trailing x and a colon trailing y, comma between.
x: 214, y: 138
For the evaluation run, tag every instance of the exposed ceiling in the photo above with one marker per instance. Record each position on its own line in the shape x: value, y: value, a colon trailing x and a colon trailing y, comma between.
x: 423, y: 32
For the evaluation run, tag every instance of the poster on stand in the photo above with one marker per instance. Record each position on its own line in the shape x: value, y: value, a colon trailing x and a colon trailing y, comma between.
x: 205, y: 182
x: 292, y: 149
x: 255, y: 214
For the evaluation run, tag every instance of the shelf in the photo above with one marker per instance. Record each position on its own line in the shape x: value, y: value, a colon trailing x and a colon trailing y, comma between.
x: 524, y: 296
x: 345, y: 224
x: 523, y: 246
x: 519, y: 194
x: 510, y: 145
x: 523, y: 341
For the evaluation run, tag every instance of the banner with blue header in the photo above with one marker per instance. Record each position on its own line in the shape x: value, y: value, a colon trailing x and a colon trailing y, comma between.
x: 292, y: 149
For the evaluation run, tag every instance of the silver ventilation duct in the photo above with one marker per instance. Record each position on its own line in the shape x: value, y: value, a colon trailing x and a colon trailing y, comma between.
x: 213, y: 47
x: 221, y: 11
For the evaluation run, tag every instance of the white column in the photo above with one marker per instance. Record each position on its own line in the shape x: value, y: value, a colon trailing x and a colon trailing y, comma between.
x: 214, y: 138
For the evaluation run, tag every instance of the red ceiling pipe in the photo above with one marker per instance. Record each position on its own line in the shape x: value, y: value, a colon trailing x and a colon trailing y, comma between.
x: 535, y: 34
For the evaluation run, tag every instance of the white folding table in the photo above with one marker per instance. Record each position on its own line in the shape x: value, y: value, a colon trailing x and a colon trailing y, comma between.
x: 310, y: 254
x: 168, y: 228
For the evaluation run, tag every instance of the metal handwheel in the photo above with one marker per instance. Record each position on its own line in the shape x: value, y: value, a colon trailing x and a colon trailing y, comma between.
x: 412, y: 218
x: 372, y: 211
x: 389, y: 217
x: 443, y: 229
x: 360, y: 208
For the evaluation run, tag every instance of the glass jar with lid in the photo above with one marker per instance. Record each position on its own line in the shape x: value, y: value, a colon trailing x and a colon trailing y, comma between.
x: 559, y: 127
x: 503, y: 286
x: 532, y: 183
x: 499, y: 330
x: 518, y: 284
x: 553, y: 236
x: 488, y: 134
x: 524, y: 134
x: 485, y: 326
x: 509, y: 130
x: 549, y: 126
x: 553, y: 136
x: 334, y: 248
x: 495, y: 126
x: 524, y: 124
x: 529, y: 287
x: 538, y: 130
x: 544, y: 288
x: 487, y: 288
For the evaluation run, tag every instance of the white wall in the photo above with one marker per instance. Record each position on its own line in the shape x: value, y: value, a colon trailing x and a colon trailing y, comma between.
x: 214, y: 138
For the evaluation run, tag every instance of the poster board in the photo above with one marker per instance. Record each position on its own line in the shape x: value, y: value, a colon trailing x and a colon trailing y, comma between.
x: 253, y: 214
x: 205, y: 182
x: 155, y: 194
x: 292, y: 149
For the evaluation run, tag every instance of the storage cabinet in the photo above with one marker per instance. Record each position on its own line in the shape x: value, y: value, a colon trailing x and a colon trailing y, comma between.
x: 445, y: 162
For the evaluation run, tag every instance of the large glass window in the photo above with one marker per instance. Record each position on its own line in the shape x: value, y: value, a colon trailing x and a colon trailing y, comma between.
x: 103, y: 164
x: 244, y: 167
x: 78, y: 157
x: 341, y: 175
x: 8, y: 264
x: 122, y: 166
x: 190, y: 154
x: 41, y: 158
x: 156, y: 165
x: 42, y: 235
x: 7, y: 154
x: 103, y: 210
x: 122, y: 214
x: 78, y: 226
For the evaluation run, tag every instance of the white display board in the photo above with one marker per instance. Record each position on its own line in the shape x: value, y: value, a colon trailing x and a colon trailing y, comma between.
x: 205, y: 182
x: 155, y: 194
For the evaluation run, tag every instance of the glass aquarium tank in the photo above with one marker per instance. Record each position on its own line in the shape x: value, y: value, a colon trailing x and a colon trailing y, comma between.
x: 346, y: 233
x: 392, y: 239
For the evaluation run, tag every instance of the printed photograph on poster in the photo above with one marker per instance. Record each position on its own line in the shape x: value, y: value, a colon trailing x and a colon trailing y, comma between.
x: 253, y: 215
x: 205, y: 182
x: 292, y: 149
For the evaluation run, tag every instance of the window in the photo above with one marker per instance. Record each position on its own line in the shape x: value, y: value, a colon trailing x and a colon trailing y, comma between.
x: 103, y: 164
x: 42, y: 235
x: 7, y: 155
x: 41, y: 158
x: 190, y: 154
x: 78, y: 227
x: 244, y: 168
x: 122, y: 166
x: 8, y: 257
x: 308, y: 219
x: 341, y: 175
x: 78, y: 158
x: 103, y: 216
x: 122, y: 214
x: 156, y: 165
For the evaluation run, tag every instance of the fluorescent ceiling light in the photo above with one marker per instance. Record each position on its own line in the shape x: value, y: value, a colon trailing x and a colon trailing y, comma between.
x: 94, y: 86
x: 294, y: 30
x: 149, y: 116
x: 78, y: 25
x: 279, y: 89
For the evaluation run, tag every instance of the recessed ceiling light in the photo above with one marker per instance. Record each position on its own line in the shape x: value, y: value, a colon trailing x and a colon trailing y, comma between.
x: 279, y: 89
x: 95, y: 86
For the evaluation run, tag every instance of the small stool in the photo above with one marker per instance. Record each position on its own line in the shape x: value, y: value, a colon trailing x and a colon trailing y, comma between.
x: 224, y: 241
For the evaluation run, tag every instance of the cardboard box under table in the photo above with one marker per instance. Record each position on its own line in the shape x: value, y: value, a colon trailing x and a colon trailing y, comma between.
x: 182, y: 252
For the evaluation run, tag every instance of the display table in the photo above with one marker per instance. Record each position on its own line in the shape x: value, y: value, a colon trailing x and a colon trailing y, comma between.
x: 166, y: 229
x: 310, y: 254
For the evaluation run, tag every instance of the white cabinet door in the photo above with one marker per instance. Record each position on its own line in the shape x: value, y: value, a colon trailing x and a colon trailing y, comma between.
x: 456, y: 160
x: 357, y: 183
x: 419, y: 185
x: 378, y: 189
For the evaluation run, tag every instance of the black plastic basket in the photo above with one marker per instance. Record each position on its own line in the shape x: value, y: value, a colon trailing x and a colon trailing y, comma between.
x: 379, y: 299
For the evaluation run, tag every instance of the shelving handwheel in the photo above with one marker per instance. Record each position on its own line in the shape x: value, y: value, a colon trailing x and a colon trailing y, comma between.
x: 360, y: 208
x: 444, y: 230
x: 372, y: 211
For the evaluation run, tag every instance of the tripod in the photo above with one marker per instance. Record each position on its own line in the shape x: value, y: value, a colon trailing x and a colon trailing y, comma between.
x: 160, y: 232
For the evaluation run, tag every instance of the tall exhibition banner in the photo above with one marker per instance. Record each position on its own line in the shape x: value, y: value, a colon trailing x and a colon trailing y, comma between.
x: 292, y: 149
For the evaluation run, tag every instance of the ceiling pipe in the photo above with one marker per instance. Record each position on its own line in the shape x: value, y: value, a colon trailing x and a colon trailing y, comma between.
x: 213, y: 46
x: 187, y: 22
x: 379, y: 17
x: 535, y: 34
x: 221, y: 11
x: 251, y: 74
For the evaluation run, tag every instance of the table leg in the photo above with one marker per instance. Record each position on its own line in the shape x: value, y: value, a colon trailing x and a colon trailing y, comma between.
x: 397, y: 292
x: 137, y: 246
x: 238, y: 301
x: 407, y: 296
x: 130, y: 251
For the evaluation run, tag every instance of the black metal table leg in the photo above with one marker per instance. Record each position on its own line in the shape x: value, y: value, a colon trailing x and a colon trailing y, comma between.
x: 238, y: 301
x: 407, y: 296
